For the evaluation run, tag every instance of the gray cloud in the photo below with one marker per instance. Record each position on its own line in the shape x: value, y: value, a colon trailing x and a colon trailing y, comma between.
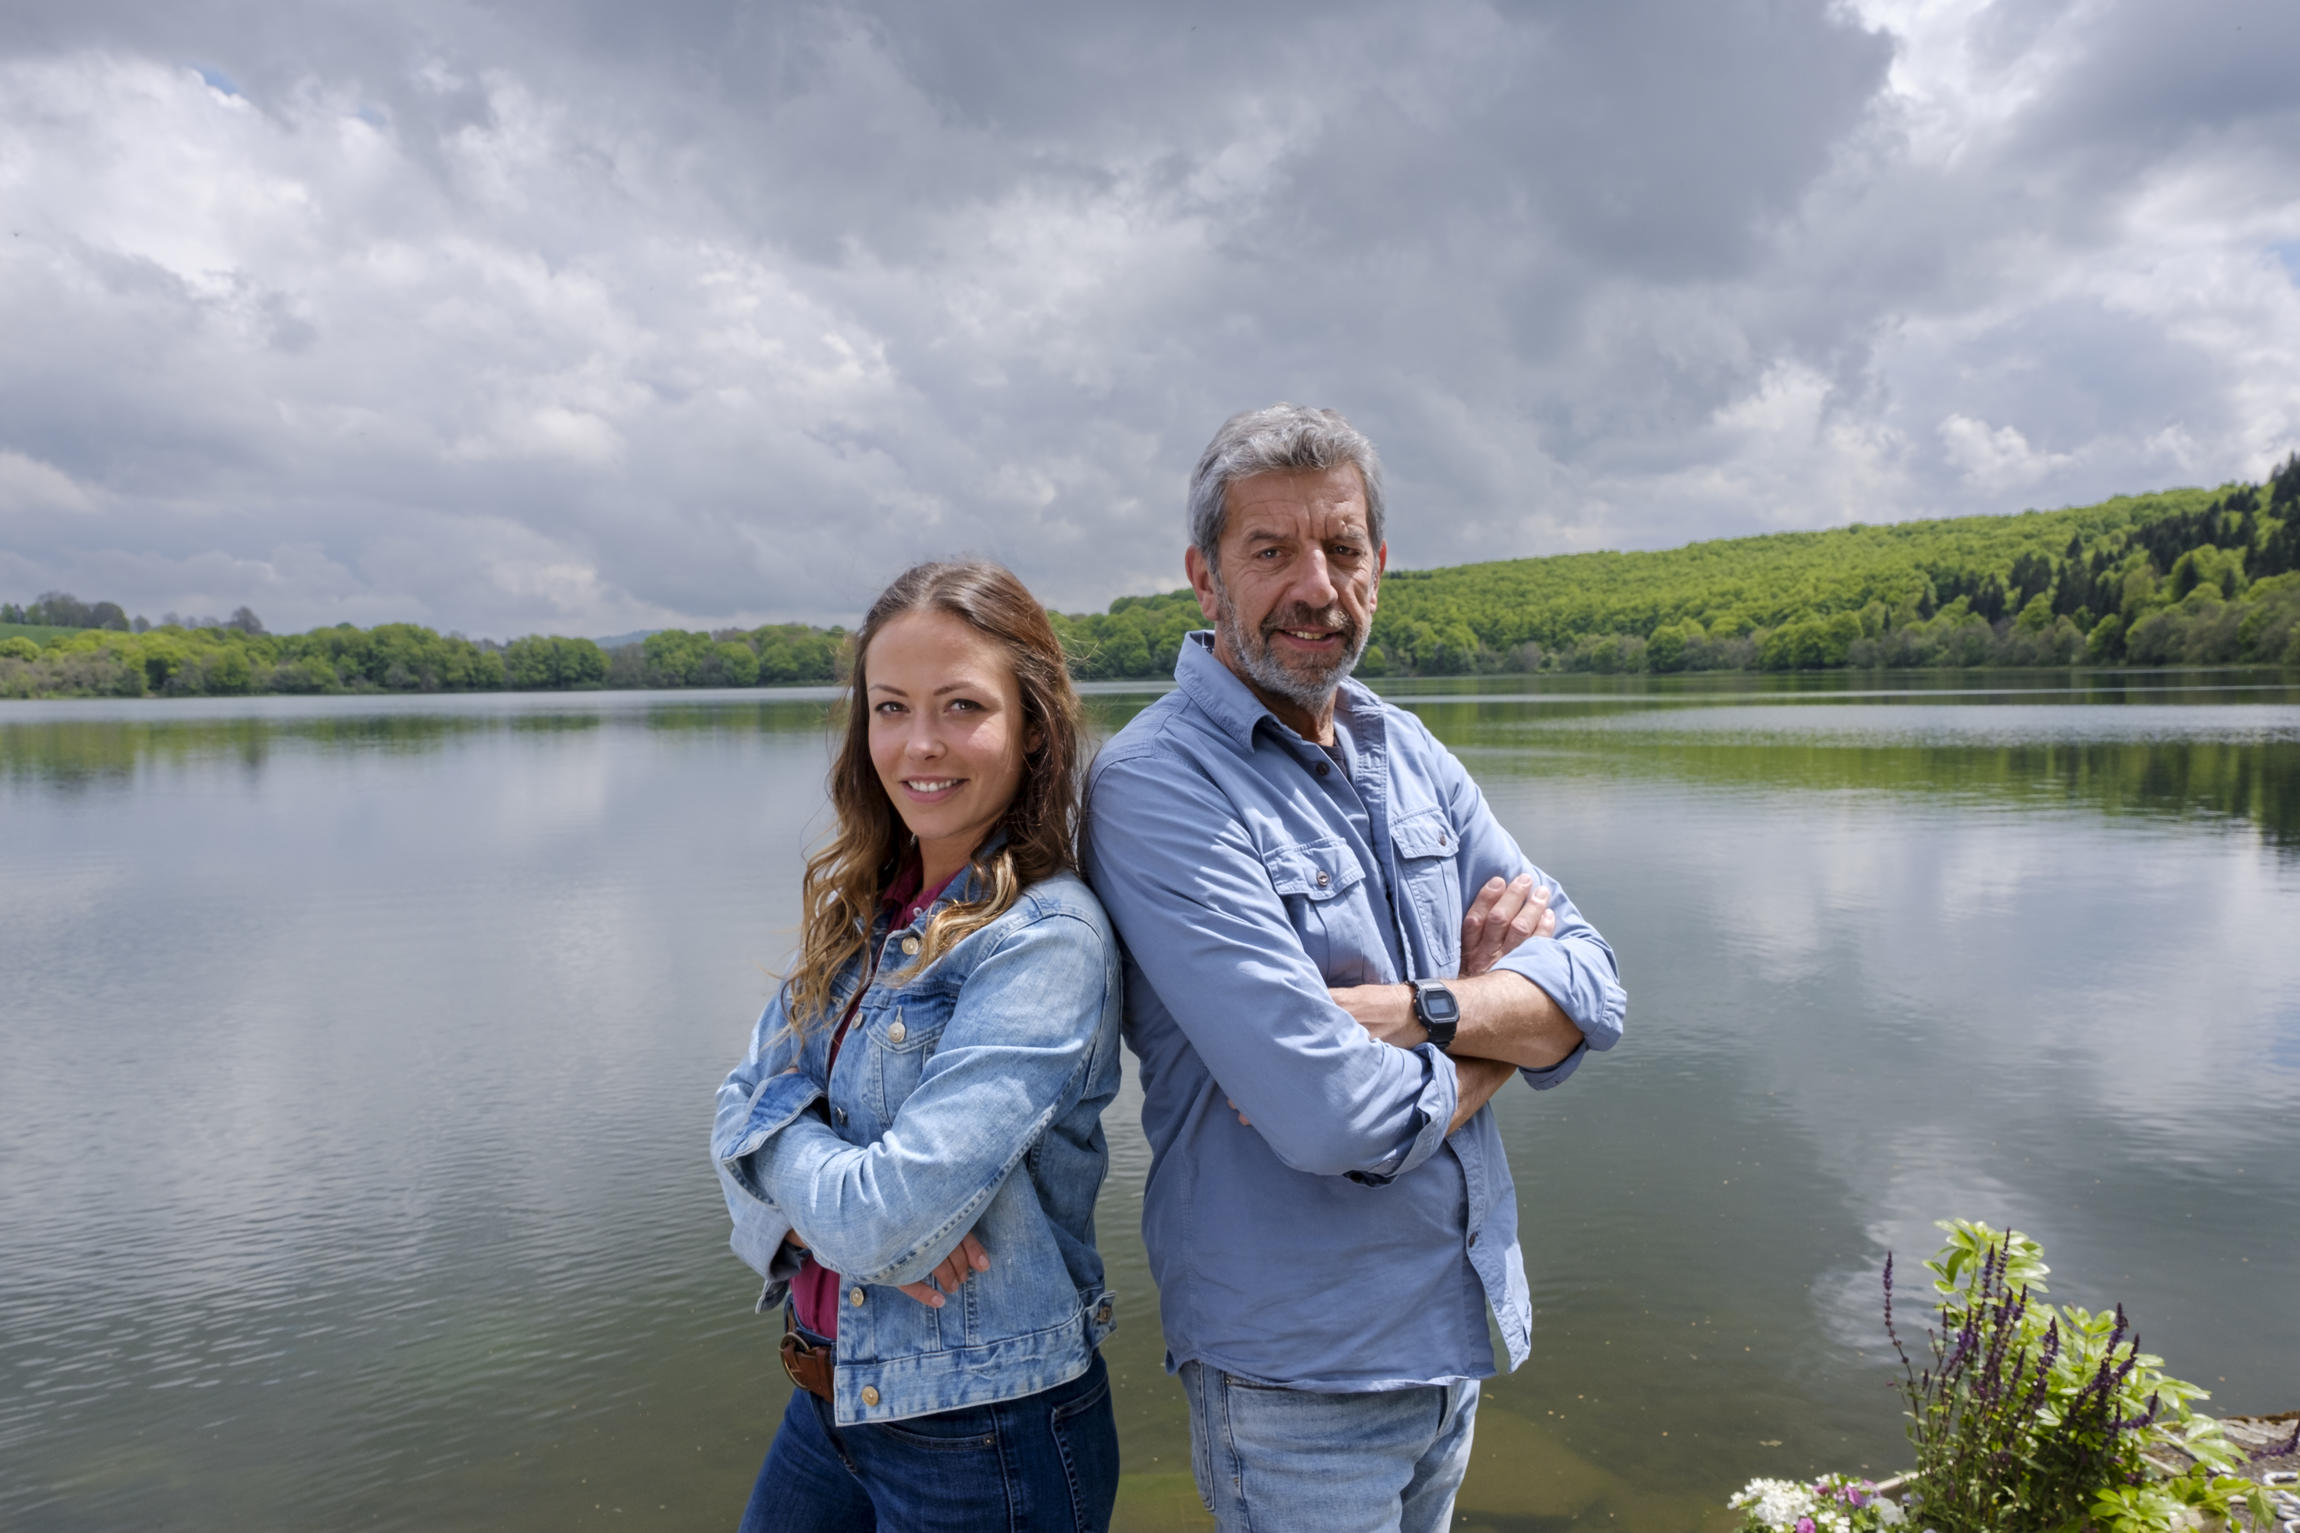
x: 589, y: 317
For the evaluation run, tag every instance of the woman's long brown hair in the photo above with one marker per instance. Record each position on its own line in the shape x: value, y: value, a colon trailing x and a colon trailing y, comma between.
x: 840, y: 895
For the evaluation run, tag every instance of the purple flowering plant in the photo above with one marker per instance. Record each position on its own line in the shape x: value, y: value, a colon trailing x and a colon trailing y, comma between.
x: 2028, y: 1417
x: 2032, y: 1418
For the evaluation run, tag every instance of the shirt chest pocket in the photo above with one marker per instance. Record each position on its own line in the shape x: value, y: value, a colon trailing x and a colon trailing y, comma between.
x: 1429, y: 877
x: 1330, y: 903
x: 901, y: 1038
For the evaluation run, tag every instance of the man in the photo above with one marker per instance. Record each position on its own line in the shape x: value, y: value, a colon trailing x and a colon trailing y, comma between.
x: 1321, y: 1016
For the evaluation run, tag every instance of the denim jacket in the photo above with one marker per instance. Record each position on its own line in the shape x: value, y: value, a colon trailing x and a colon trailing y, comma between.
x: 968, y: 1096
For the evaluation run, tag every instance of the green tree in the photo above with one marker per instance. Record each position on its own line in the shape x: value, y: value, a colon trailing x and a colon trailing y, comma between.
x: 730, y: 663
x: 540, y: 662
x: 1671, y: 647
x: 674, y: 657
x: 1814, y: 644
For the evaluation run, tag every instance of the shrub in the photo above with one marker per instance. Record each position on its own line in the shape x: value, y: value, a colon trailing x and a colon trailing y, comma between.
x: 2026, y: 1418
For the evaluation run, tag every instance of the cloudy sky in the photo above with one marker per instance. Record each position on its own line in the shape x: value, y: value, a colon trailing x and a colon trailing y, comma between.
x: 589, y: 316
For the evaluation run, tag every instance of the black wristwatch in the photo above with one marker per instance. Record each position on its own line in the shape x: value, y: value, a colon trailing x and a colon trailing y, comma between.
x: 1437, y: 1011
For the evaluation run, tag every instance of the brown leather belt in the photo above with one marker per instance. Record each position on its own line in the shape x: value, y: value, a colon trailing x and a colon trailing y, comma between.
x: 809, y: 1366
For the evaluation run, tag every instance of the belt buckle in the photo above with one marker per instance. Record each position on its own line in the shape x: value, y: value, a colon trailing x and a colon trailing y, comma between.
x: 792, y: 1350
x: 796, y: 1350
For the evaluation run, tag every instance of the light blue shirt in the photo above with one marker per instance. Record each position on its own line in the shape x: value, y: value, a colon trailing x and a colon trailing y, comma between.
x: 1343, y: 1242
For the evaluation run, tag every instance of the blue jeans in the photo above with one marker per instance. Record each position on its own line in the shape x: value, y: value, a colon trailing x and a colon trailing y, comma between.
x: 1284, y: 1459
x: 1048, y: 1460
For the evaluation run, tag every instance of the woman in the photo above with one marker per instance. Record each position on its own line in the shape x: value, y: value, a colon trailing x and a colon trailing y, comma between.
x: 912, y: 1146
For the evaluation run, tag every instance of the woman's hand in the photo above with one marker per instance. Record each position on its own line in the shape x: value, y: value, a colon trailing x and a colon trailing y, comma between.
x: 964, y: 1261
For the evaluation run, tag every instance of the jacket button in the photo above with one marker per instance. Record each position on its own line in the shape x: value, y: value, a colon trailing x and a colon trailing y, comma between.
x: 910, y: 947
x: 1324, y: 878
x: 870, y: 1395
x: 854, y: 1297
x: 897, y: 1033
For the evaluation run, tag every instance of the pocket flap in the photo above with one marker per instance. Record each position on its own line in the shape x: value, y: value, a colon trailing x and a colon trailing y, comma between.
x: 1424, y: 833
x: 1319, y: 869
x: 899, y: 1029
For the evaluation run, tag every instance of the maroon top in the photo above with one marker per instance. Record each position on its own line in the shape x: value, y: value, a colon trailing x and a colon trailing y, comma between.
x: 815, y: 1288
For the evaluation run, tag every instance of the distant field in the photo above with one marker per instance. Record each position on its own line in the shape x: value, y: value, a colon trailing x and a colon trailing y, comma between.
x: 33, y: 631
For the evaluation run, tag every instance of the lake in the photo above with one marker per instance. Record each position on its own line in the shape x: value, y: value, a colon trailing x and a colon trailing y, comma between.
x: 360, y: 1051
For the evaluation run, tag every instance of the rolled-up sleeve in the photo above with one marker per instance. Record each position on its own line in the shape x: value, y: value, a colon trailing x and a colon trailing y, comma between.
x: 1574, y: 965
x: 1193, y: 900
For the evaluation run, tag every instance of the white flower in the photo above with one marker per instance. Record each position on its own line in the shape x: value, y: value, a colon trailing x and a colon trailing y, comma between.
x: 1777, y: 1503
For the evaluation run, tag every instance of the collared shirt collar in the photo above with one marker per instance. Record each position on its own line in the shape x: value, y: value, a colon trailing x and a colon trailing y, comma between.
x: 1230, y: 703
x: 903, y: 891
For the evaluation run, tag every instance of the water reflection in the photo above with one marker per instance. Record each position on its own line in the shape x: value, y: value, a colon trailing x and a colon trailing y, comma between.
x: 73, y: 746
x: 2254, y: 781
x: 359, y: 1052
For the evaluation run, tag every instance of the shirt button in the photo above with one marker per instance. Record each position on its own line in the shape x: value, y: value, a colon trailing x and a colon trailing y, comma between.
x: 1473, y: 1237
x: 854, y: 1297
x: 839, y: 1113
x: 895, y: 1033
x: 1103, y: 1314
x: 1321, y: 769
x: 1324, y: 879
x: 1442, y: 838
x: 870, y: 1395
x: 910, y: 947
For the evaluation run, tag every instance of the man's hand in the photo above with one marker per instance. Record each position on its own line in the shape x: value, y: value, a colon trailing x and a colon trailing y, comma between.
x: 1505, y: 915
x: 1501, y: 917
x: 1500, y: 1018
x: 964, y: 1261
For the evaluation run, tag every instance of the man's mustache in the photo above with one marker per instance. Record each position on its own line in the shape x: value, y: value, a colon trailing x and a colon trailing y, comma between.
x: 1334, y: 617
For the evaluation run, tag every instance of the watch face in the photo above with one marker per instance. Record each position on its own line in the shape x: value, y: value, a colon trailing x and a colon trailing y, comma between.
x: 1438, y: 1005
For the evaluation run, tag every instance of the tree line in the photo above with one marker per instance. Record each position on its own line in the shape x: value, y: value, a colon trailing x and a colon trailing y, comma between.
x: 237, y: 656
x: 2186, y: 577
x: 61, y: 609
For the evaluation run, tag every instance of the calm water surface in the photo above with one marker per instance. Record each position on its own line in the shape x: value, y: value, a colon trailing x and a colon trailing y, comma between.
x: 359, y: 1056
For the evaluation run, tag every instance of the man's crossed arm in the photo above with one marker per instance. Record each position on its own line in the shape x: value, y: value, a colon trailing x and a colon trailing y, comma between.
x: 1507, y: 1021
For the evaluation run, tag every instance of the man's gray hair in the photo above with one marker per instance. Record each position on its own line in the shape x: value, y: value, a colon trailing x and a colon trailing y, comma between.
x: 1279, y: 438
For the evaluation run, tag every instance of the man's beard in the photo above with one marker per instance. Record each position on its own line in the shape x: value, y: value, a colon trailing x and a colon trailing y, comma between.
x: 1312, y: 686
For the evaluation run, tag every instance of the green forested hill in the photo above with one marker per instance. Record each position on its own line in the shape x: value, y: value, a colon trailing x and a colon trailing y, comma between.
x: 2193, y: 577
x: 1745, y: 585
